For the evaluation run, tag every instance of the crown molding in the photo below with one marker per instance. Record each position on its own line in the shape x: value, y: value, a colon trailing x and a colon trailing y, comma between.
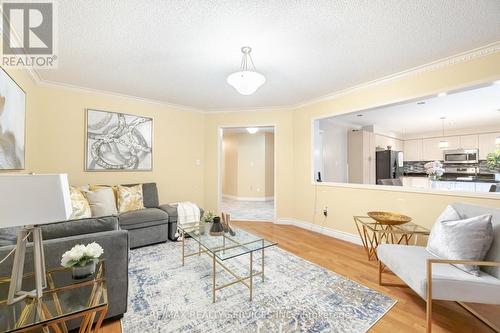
x: 432, y: 66
x: 51, y: 84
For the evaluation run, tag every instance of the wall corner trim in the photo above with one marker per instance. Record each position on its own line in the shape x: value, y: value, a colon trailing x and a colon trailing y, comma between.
x: 342, y: 235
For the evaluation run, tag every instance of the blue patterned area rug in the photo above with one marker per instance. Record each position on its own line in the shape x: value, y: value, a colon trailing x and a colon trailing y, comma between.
x: 296, y: 296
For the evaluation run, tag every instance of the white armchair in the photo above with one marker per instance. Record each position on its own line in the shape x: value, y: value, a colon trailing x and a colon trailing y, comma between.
x: 434, y: 278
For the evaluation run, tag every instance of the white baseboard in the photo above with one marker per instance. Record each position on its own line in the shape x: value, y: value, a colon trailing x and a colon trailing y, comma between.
x: 348, y: 237
x: 233, y: 197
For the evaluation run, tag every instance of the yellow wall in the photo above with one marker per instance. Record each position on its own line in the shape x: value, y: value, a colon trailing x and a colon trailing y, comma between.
x: 269, y: 165
x: 55, y: 135
x: 229, y: 167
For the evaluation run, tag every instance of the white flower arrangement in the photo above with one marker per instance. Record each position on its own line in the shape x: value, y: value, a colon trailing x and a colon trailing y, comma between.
x: 81, y: 255
x: 434, y: 169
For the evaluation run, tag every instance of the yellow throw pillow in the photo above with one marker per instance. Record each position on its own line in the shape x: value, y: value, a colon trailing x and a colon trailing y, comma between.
x: 129, y: 198
x: 80, y: 205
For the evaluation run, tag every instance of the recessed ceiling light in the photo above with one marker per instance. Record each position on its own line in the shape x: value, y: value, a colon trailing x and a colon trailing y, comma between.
x: 421, y: 103
x: 359, y: 115
x: 442, y: 94
x: 252, y: 130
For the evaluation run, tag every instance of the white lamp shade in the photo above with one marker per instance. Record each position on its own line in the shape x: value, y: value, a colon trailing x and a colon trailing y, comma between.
x: 34, y: 199
x: 246, y: 82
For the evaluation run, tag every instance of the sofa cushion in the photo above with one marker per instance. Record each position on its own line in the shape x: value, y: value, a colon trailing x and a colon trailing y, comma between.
x: 149, y: 195
x: 102, y: 201
x: 79, y: 227
x: 79, y: 204
x: 8, y: 236
x: 461, y: 239
x: 468, y: 211
x: 143, y: 218
x: 448, y: 282
x: 129, y: 198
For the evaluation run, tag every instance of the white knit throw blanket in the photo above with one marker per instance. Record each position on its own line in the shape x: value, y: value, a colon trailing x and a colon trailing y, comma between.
x: 187, y: 213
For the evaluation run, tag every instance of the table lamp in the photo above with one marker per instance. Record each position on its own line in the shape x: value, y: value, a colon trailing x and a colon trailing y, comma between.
x: 30, y: 201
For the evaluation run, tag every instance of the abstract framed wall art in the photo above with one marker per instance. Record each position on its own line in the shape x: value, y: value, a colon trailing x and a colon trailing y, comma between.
x: 12, y: 124
x: 118, y: 142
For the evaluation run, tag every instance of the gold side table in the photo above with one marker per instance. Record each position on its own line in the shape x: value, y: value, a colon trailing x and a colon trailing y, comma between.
x: 373, y: 233
x: 63, y: 300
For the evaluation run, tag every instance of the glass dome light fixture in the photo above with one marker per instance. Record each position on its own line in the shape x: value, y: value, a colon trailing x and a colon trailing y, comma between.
x: 247, y: 80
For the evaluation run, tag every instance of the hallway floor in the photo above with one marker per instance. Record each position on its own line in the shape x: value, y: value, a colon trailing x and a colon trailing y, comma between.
x: 248, y: 210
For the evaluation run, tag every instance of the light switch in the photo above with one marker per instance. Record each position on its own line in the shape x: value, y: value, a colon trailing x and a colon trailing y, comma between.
x: 198, y: 162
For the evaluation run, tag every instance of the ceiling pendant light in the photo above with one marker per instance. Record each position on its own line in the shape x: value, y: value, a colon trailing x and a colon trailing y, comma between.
x: 247, y: 80
x: 443, y: 144
x: 252, y: 130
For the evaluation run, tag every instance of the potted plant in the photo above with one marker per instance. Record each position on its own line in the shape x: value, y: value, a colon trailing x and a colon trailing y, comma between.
x: 82, y: 259
x: 493, y: 163
x: 434, y: 170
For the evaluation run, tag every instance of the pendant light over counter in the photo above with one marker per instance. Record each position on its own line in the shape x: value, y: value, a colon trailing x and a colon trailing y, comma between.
x: 443, y: 144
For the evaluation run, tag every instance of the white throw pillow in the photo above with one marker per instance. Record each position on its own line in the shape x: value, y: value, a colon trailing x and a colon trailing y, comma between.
x: 455, y: 238
x: 102, y: 201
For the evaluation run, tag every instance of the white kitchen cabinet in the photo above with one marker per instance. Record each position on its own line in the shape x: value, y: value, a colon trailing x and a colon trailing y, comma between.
x: 382, y: 141
x: 469, y: 141
x: 486, y: 144
x: 412, y: 150
x: 431, y: 150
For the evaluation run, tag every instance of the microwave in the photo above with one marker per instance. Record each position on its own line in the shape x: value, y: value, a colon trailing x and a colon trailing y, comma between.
x: 461, y: 156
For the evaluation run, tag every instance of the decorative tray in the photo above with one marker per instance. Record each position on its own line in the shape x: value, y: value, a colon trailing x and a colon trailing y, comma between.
x: 389, y: 218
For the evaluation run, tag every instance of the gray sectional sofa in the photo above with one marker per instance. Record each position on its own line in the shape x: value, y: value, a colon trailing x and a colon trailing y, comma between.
x: 116, y: 234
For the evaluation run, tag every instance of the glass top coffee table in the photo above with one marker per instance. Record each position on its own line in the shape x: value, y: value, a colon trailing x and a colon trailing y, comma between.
x: 225, y: 247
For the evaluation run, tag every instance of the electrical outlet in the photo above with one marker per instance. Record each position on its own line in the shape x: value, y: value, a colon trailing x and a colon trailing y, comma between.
x: 325, y: 211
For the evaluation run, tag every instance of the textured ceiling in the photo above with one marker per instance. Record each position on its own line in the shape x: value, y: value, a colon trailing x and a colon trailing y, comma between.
x: 180, y: 52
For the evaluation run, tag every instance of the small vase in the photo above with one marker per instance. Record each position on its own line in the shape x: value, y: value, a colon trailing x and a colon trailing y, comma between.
x: 82, y: 272
x: 216, y: 229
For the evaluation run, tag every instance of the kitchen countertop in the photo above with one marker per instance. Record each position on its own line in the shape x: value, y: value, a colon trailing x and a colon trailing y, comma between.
x: 482, y: 178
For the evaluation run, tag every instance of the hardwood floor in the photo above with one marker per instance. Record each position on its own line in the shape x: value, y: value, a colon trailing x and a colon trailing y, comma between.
x: 349, y: 260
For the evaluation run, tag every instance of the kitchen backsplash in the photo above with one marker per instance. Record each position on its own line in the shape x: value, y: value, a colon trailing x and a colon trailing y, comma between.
x: 418, y: 167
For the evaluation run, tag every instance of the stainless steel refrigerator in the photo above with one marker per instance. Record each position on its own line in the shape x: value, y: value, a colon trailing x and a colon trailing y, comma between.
x: 389, y: 164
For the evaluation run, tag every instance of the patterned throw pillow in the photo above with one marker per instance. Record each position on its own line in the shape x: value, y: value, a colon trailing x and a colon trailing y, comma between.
x: 129, y: 198
x: 80, y: 205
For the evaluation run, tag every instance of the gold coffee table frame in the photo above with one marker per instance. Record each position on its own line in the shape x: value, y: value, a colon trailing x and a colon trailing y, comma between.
x: 373, y: 233
x: 228, y: 243
x: 55, y: 321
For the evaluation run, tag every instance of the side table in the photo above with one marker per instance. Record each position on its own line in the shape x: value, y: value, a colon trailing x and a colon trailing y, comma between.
x: 63, y: 300
x: 373, y: 233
